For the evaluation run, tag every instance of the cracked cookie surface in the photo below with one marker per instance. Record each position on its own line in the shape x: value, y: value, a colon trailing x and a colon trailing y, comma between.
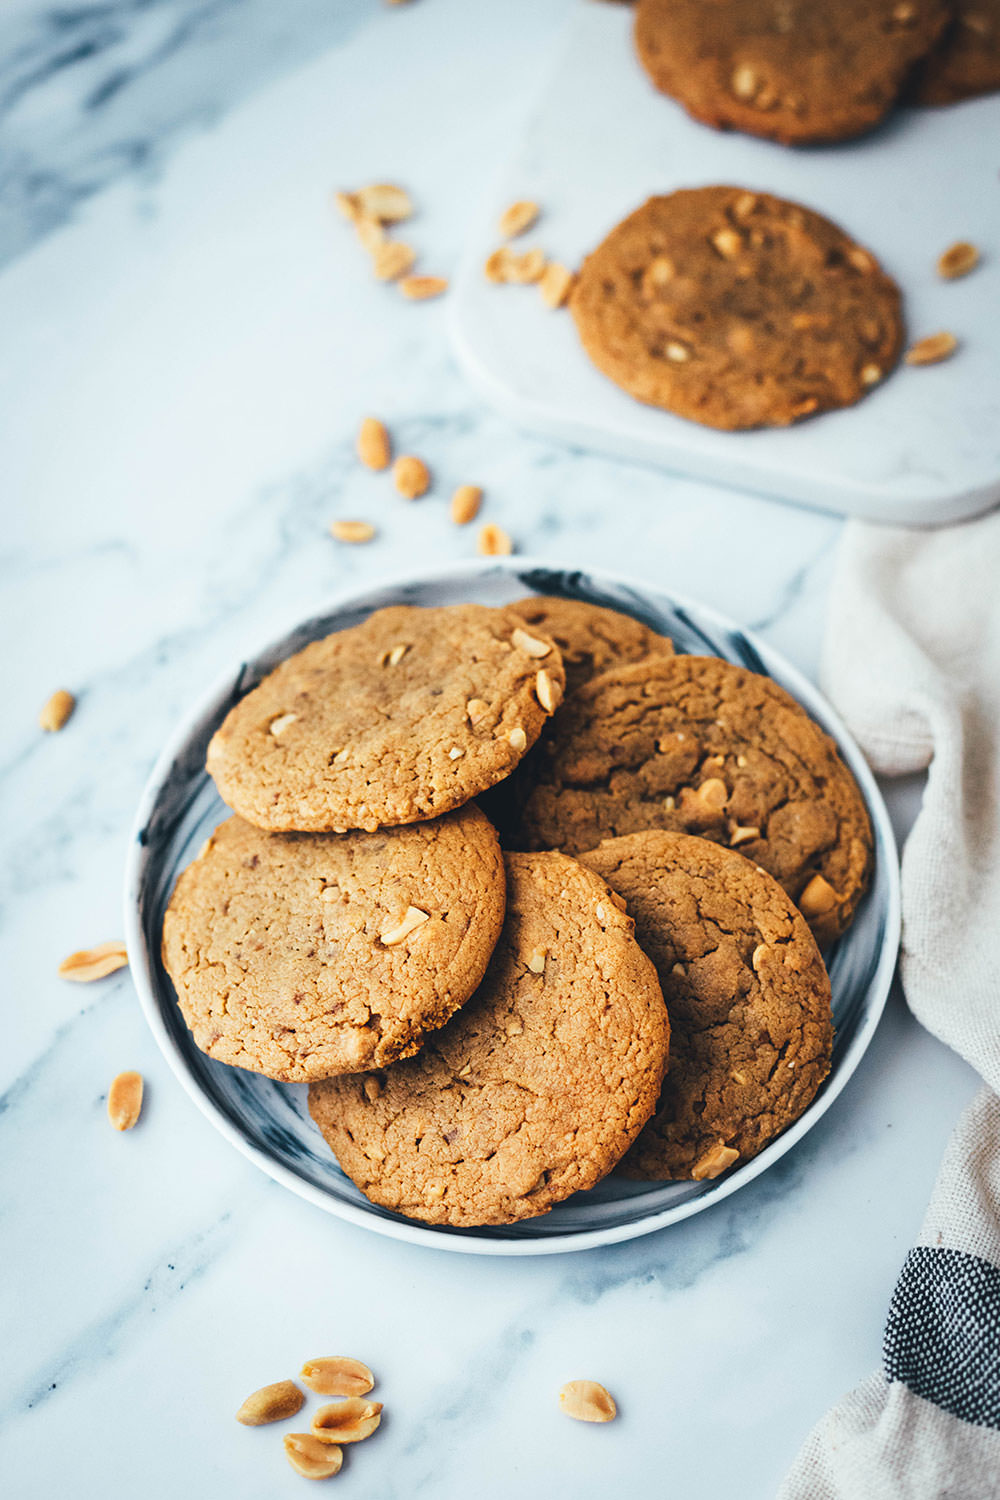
x: 737, y: 309
x: 966, y: 61
x: 791, y: 70
x: 401, y: 718
x: 746, y: 991
x: 304, y: 955
x: 589, y: 638
x: 694, y: 744
x: 540, y: 1083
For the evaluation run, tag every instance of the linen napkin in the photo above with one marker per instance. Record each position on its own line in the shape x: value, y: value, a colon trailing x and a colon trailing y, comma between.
x: 912, y: 661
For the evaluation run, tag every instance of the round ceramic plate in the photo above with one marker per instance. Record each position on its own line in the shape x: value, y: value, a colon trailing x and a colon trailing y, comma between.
x: 269, y: 1122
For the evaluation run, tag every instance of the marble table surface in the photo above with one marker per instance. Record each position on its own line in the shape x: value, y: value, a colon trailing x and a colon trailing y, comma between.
x: 189, y: 338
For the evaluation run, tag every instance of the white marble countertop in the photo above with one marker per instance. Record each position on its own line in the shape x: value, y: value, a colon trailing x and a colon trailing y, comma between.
x: 189, y: 339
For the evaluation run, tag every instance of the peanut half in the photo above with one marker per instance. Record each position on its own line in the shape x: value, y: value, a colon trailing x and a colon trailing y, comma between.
x: 125, y: 1100
x: 373, y: 446
x: 714, y: 1162
x: 351, y: 531
x: 556, y: 284
x: 494, y: 542
x: 932, y: 350
x: 311, y: 1457
x: 587, y: 1401
x: 422, y: 288
x: 385, y: 201
x: 56, y: 711
x: 337, y: 1375
x: 465, y: 504
x: 411, y: 476
x: 517, y: 218
x: 89, y: 964
x: 348, y: 1421
x: 958, y: 260
x: 272, y: 1403
x: 392, y: 260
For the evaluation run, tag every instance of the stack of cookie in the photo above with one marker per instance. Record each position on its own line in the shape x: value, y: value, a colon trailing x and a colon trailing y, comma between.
x: 486, y: 1030
x: 801, y: 73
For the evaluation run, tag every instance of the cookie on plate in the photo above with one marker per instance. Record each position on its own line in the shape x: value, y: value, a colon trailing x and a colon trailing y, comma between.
x: 304, y: 955
x: 966, y: 61
x: 398, y: 719
x: 590, y: 638
x: 540, y: 1083
x: 747, y: 994
x: 792, y: 70
x: 737, y: 309
x: 694, y: 744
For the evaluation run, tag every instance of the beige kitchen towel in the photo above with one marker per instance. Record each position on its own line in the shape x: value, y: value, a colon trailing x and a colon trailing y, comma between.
x: 912, y: 661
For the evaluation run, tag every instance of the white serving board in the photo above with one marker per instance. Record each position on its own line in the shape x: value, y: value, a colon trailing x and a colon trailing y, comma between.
x: 922, y: 448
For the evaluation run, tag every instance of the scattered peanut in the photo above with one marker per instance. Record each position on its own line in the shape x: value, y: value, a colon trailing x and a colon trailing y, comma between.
x: 348, y: 1421
x: 310, y: 1456
x: 337, y: 1375
x: 517, y: 218
x: 56, y: 711
x: 272, y: 1403
x: 422, y: 288
x: 587, y: 1401
x: 958, y: 260
x: 392, y: 260
x: 411, y: 476
x: 351, y: 531
x: 556, y: 284
x: 369, y: 232
x: 373, y: 446
x: 493, y: 542
x: 465, y: 504
x: 125, y: 1100
x: 931, y: 350
x: 504, y: 266
x: 89, y: 964
x: 385, y: 201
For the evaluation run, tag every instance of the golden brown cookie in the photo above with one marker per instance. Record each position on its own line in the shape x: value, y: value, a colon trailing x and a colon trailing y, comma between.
x: 737, y: 309
x: 966, y: 61
x: 795, y: 71
x: 747, y: 993
x: 694, y: 744
x: 304, y: 955
x: 589, y: 638
x: 401, y: 718
x: 540, y: 1083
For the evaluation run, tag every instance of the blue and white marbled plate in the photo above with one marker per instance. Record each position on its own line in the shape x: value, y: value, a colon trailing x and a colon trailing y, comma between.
x: 269, y: 1122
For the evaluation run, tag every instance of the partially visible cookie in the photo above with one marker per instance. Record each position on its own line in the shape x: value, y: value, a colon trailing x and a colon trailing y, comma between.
x: 736, y: 309
x: 966, y: 61
x: 694, y: 744
x: 589, y: 637
x: 401, y: 718
x: 794, y: 71
x: 747, y: 993
x: 304, y: 955
x: 540, y: 1083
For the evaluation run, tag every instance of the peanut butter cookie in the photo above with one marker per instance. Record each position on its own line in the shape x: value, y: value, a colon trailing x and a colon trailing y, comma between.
x: 747, y: 993
x: 589, y: 638
x: 791, y: 70
x: 694, y: 744
x: 401, y: 718
x: 737, y: 309
x: 304, y: 955
x: 966, y: 61
x: 540, y: 1083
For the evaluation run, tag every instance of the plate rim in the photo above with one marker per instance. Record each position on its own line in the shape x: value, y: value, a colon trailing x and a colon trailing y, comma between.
x: 473, y: 1243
